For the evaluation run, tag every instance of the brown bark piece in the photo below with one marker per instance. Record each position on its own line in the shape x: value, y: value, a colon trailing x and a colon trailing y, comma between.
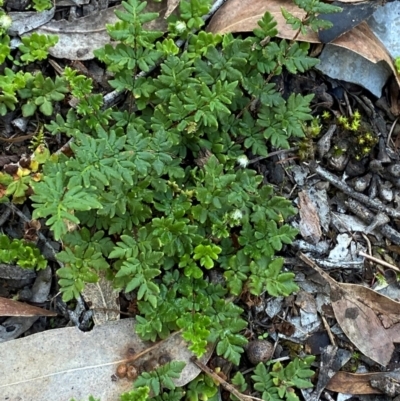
x: 310, y: 227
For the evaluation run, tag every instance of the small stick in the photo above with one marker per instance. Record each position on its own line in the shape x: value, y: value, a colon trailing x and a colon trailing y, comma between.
x: 391, y: 131
x: 328, y: 330
x: 222, y: 382
x: 350, y: 191
x: 379, y: 261
x: 368, y: 243
x: 277, y: 152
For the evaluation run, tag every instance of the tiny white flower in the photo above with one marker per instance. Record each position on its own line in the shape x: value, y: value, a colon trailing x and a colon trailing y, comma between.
x: 237, y: 214
x: 180, y: 26
x: 243, y: 161
x: 5, y: 21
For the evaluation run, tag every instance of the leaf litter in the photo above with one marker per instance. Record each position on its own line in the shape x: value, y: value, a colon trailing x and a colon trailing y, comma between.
x: 354, y: 42
x: 67, y: 363
x: 370, y: 320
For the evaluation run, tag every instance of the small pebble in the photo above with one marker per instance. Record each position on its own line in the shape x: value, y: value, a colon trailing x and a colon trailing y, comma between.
x: 385, y: 191
x: 383, y: 154
x: 360, y: 184
x: 394, y: 170
x: 375, y: 166
x: 355, y: 168
x: 259, y: 351
x: 373, y: 188
x: 338, y: 163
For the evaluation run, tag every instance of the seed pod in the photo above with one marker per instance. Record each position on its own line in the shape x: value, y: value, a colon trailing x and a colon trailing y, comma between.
x: 122, y: 370
x: 259, y: 351
x: 132, y: 372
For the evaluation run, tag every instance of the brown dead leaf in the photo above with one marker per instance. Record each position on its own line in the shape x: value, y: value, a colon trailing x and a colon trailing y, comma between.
x: 8, y: 307
x: 310, y: 227
x: 351, y: 383
x: 370, y: 320
x: 361, y: 40
x: 243, y: 15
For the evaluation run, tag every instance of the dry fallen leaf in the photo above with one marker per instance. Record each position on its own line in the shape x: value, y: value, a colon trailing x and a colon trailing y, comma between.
x: 8, y: 307
x: 66, y: 363
x: 27, y: 20
x: 370, y: 320
x: 353, y: 383
x: 77, y: 39
x: 243, y: 15
x: 361, y: 40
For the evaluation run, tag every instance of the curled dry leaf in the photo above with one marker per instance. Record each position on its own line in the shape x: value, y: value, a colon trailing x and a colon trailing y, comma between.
x: 8, y: 307
x: 361, y: 40
x: 370, y: 320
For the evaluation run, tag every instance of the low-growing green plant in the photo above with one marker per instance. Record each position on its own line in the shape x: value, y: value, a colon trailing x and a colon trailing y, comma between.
x: 272, y: 380
x: 202, y: 388
x: 17, y: 182
x: 21, y: 253
x: 397, y: 64
x: 42, y: 5
x: 35, y: 47
x: 280, y: 382
x: 17, y: 86
x: 160, y: 194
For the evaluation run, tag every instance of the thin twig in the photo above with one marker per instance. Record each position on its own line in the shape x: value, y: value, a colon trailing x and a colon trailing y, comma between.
x: 47, y: 244
x: 328, y: 330
x: 277, y: 152
x: 214, y: 9
x: 222, y: 382
x: 391, y: 131
x: 334, y: 180
x: 368, y: 243
x: 379, y: 261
